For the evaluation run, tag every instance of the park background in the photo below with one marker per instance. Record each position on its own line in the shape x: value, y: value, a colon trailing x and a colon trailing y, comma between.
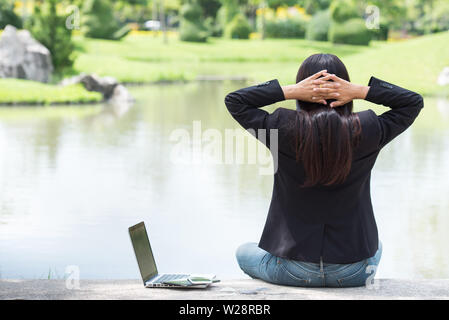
x: 77, y: 168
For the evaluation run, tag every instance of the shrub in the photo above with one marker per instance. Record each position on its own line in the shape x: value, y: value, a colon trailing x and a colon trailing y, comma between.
x: 343, y: 10
x: 353, y: 31
x: 213, y: 27
x: 314, y: 6
x: 191, y: 11
x: 191, y: 27
x: 98, y: 21
x: 286, y: 28
x: 381, y: 33
x: 318, y: 27
x: 49, y: 28
x: 8, y: 16
x: 225, y: 14
x: 238, y: 28
x: 190, y: 31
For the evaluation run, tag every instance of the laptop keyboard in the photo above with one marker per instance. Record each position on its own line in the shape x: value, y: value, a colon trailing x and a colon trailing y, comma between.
x: 167, y: 277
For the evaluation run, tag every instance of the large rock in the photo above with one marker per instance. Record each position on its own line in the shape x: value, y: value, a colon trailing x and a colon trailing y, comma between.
x: 23, y: 57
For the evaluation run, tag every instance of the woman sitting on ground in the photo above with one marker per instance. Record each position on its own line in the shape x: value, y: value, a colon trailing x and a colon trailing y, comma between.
x: 320, y: 230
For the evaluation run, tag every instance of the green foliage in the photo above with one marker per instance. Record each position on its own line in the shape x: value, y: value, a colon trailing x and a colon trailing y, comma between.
x: 191, y: 11
x: 343, y: 10
x: 214, y: 29
x: 192, y: 32
x: 353, y: 31
x: 98, y: 21
x: 285, y: 28
x: 228, y: 10
x: 433, y: 18
x: 381, y: 33
x: 49, y: 28
x: 191, y: 25
x: 238, y: 28
x: 318, y: 27
x: 210, y: 7
x: 7, y: 15
x: 279, y: 3
x: 210, y: 16
x: 314, y: 6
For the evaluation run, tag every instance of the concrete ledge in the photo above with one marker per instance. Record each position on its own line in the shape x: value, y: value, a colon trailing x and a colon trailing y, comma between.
x: 228, y: 289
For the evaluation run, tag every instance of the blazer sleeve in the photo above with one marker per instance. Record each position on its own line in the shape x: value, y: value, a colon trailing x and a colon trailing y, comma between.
x: 244, y: 105
x: 405, y: 106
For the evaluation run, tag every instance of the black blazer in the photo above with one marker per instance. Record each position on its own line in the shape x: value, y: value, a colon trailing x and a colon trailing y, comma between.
x: 335, y: 223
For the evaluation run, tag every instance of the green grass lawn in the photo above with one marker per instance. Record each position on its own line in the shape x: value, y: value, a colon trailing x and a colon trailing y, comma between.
x: 31, y: 92
x: 414, y: 64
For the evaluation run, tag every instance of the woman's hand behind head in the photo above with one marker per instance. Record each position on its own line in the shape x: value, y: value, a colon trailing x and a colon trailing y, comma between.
x: 303, y: 90
x: 332, y: 87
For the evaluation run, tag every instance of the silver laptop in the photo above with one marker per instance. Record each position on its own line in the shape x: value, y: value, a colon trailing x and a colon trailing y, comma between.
x: 145, y: 259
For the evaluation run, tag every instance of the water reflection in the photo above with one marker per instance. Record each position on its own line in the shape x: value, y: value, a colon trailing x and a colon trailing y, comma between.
x: 73, y: 179
x: 443, y: 107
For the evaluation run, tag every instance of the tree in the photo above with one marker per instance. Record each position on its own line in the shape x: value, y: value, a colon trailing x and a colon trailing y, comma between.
x: 343, y: 10
x: 8, y: 16
x: 191, y: 26
x: 49, y: 28
x: 238, y: 28
x: 281, y: 3
x: 314, y: 6
x: 98, y: 21
x: 210, y: 7
x: 228, y: 10
x: 392, y: 12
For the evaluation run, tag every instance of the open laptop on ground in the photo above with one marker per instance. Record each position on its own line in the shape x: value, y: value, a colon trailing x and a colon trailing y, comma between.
x: 147, y: 265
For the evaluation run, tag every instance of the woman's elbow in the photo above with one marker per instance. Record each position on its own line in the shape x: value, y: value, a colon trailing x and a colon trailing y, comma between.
x: 230, y: 98
x: 231, y: 101
x: 419, y: 101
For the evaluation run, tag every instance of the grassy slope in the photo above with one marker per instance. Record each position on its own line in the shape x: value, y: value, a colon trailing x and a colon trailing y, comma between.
x: 144, y: 58
x: 414, y: 64
x: 24, y: 91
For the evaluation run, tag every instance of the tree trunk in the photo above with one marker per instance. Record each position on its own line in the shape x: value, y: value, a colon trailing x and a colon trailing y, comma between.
x: 162, y: 17
x: 264, y: 5
x: 154, y: 15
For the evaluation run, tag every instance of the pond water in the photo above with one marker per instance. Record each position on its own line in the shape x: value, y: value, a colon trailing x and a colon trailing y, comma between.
x: 74, y: 178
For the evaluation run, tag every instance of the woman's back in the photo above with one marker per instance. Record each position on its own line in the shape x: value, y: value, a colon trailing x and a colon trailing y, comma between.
x: 334, y: 223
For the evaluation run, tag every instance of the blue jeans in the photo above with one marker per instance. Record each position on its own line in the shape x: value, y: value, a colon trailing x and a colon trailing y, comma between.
x: 260, y: 264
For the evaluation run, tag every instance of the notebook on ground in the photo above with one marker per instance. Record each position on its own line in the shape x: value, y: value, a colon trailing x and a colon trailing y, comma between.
x: 148, y: 270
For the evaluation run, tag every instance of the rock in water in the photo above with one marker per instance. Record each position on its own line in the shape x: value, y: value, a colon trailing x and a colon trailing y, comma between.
x: 121, y: 95
x: 109, y: 87
x: 23, y: 57
x: 105, y: 85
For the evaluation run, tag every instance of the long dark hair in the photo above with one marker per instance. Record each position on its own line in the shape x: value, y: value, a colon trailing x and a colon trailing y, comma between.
x: 325, y: 136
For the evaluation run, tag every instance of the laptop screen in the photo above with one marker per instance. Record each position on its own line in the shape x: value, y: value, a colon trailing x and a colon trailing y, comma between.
x: 142, y: 249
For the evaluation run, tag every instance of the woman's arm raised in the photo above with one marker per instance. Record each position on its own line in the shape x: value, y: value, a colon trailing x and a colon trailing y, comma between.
x: 244, y: 104
x: 405, y: 104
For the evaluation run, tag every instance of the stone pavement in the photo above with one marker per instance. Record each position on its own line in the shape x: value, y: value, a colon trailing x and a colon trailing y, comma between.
x: 245, y: 289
